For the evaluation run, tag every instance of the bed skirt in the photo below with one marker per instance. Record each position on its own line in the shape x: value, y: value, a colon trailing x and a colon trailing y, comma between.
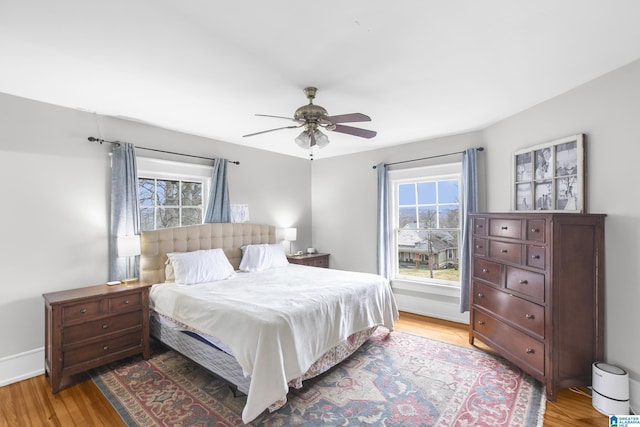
x: 227, y: 367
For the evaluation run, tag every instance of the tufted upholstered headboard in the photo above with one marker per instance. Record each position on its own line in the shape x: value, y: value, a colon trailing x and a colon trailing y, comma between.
x: 154, y: 245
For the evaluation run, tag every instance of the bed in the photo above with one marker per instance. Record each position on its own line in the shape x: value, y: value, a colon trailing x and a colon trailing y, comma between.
x: 263, y: 329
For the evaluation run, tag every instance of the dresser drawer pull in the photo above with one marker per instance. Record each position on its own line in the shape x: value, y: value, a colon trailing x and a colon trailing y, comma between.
x: 504, y: 227
x: 485, y: 270
x: 126, y: 301
x: 83, y: 311
x: 105, y: 326
x: 535, y: 230
x: 480, y: 322
x: 529, y: 316
x: 478, y: 246
x: 105, y: 348
x: 529, y: 351
x: 480, y: 295
x: 478, y: 225
x: 504, y: 251
x: 524, y: 282
x: 535, y: 256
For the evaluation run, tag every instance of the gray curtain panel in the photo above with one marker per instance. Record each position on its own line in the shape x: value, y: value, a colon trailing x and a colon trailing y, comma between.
x: 469, y: 204
x: 384, y: 255
x: 218, y: 205
x: 125, y: 215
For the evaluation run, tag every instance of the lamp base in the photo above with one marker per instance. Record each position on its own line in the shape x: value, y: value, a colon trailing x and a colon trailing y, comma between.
x: 129, y: 280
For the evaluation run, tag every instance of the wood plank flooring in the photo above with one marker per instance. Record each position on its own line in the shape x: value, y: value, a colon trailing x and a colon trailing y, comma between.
x: 30, y: 402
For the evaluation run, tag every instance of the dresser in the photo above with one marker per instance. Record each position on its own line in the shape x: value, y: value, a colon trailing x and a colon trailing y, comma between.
x: 537, y: 293
x: 88, y: 327
x: 313, y: 260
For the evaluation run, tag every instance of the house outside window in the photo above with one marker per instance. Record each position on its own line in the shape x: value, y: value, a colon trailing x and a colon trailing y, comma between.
x: 426, y: 219
x: 171, y: 194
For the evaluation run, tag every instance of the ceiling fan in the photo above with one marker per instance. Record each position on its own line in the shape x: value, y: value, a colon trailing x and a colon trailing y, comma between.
x: 313, y: 118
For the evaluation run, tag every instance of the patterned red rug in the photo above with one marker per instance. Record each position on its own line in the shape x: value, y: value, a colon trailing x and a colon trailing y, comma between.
x: 403, y: 380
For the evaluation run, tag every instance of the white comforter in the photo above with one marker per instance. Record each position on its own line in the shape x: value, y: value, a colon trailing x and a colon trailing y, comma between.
x: 279, y: 321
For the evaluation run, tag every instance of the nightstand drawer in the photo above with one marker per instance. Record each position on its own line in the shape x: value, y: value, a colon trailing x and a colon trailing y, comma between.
x: 97, y: 328
x: 82, y: 310
x: 91, y: 352
x: 125, y: 303
x: 311, y: 260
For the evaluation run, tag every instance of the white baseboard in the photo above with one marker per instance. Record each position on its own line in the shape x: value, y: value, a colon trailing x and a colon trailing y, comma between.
x: 21, y: 366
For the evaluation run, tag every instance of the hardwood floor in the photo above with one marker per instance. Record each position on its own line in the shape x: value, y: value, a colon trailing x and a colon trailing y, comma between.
x: 30, y: 402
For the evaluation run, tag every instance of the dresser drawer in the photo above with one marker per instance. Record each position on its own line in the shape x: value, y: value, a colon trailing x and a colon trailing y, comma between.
x: 96, y: 328
x: 526, y: 282
x: 503, y: 251
x: 523, y: 313
x: 480, y: 247
x: 480, y: 226
x: 125, y: 303
x: 536, y: 230
x: 91, y: 352
x: 487, y: 271
x: 503, y: 227
x: 519, y: 345
x: 536, y: 256
x: 83, y: 310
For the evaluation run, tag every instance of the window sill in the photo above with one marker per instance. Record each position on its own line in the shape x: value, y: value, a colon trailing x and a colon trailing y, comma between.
x: 426, y: 288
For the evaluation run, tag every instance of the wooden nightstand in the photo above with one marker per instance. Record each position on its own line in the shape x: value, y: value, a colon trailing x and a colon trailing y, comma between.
x: 313, y: 260
x: 88, y: 327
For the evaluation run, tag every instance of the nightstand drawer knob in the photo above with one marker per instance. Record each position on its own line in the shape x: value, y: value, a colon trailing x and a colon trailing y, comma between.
x: 105, y: 326
x: 105, y: 348
x: 83, y: 311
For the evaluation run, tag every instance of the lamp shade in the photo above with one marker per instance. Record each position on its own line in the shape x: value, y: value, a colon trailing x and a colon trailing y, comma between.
x: 290, y: 234
x: 129, y: 245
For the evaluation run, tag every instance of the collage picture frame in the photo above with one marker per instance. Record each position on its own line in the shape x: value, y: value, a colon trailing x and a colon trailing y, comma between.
x: 550, y: 176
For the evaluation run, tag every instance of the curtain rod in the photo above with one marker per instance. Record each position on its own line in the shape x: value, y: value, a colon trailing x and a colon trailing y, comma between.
x: 427, y: 158
x: 93, y: 139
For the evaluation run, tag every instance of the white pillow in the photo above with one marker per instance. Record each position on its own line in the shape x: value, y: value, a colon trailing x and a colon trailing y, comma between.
x: 262, y: 257
x: 201, y: 266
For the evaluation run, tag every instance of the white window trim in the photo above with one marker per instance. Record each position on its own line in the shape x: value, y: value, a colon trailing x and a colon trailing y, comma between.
x: 430, y: 286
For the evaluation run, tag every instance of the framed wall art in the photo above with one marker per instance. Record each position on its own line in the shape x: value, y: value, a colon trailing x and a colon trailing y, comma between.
x: 550, y: 177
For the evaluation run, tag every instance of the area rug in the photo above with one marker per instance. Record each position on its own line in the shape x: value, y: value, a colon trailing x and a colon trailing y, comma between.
x: 395, y: 379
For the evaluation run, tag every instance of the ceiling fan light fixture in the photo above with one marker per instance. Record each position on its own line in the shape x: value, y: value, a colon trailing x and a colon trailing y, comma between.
x: 322, y: 140
x: 303, y: 140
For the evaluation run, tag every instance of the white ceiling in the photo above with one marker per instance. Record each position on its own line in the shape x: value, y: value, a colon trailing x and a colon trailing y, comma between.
x: 419, y: 68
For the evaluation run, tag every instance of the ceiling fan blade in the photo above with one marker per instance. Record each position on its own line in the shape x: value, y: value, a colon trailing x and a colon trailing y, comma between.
x: 271, y: 130
x: 364, y: 133
x: 277, y: 117
x: 347, y: 118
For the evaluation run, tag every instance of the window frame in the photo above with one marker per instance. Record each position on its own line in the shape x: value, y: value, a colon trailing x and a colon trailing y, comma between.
x: 153, y: 168
x: 439, y: 172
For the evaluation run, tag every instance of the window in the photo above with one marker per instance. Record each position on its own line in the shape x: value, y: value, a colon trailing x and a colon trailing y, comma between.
x: 172, y: 194
x: 426, y: 220
x: 168, y: 203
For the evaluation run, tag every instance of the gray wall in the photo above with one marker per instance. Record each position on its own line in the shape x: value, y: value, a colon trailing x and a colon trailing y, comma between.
x: 607, y: 110
x: 55, y: 186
